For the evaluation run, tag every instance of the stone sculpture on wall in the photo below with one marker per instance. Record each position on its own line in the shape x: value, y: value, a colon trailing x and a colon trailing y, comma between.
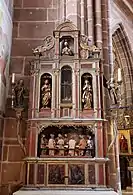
x: 87, y: 49
x: 112, y: 89
x: 19, y: 91
x: 48, y: 44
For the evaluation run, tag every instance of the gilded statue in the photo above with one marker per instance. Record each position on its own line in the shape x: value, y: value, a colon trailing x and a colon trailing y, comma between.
x: 66, y: 50
x: 87, y: 95
x: 46, y: 94
x: 19, y: 91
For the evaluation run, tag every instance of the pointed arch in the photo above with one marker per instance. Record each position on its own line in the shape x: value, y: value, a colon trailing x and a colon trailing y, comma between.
x: 123, y: 59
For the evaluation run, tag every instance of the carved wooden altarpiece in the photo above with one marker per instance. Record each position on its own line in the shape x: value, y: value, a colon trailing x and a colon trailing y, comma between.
x: 66, y: 129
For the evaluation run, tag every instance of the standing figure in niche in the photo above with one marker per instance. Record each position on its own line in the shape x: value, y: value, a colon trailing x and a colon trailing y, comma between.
x: 87, y: 95
x: 82, y: 145
x: 60, y: 144
x: 66, y: 50
x: 19, y: 91
x: 46, y: 94
x: 51, y: 145
x: 123, y: 144
x: 72, y: 144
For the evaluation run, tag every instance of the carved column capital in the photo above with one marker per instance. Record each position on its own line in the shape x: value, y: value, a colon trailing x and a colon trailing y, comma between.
x: 56, y: 71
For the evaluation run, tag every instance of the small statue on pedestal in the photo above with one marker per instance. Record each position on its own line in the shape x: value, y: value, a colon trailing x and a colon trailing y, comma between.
x: 46, y: 94
x: 82, y: 145
x: 87, y: 95
x: 19, y: 91
x: 51, y: 145
x: 112, y: 91
x: 89, y: 147
x: 60, y: 145
x: 72, y: 144
x: 43, y: 144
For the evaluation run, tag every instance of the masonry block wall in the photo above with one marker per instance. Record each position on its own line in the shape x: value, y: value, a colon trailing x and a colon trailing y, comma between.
x: 32, y: 21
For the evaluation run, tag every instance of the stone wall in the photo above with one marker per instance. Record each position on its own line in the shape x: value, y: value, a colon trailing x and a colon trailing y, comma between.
x: 32, y: 21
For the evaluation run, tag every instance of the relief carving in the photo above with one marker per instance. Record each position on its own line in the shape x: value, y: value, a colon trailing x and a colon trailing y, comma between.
x: 87, y: 49
x: 48, y: 44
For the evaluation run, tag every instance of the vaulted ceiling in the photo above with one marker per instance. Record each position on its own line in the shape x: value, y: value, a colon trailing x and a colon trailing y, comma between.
x: 126, y: 6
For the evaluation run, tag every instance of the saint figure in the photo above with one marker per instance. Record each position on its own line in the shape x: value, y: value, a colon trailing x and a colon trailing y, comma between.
x: 19, y: 91
x: 123, y: 144
x: 66, y: 50
x: 46, y: 94
x: 87, y: 95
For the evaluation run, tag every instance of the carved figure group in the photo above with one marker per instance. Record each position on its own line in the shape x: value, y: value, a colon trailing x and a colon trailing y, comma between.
x: 46, y: 94
x: 87, y: 95
x: 64, y: 146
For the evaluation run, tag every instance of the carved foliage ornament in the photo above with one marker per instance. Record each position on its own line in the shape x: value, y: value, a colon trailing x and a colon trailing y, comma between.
x: 48, y: 44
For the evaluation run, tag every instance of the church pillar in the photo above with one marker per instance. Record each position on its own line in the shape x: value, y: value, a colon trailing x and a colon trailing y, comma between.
x: 106, y: 72
x: 98, y: 23
x: 82, y: 17
x: 62, y: 10
x: 73, y: 12
x: 90, y: 20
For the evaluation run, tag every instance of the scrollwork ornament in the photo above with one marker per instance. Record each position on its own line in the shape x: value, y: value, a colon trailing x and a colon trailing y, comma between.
x: 48, y: 44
